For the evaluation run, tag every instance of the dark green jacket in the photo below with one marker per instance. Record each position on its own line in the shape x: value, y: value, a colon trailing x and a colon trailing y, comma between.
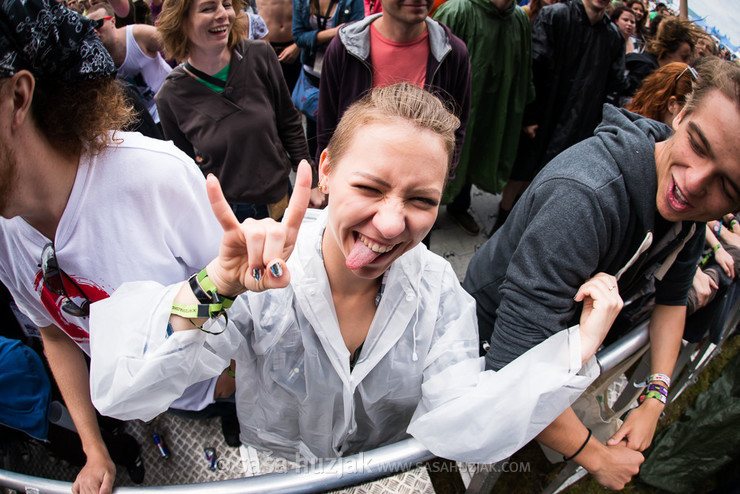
x: 500, y: 46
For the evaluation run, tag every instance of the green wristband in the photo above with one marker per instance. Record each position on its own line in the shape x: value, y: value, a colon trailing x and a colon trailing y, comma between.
x: 657, y: 396
x: 210, y: 288
x: 199, y: 311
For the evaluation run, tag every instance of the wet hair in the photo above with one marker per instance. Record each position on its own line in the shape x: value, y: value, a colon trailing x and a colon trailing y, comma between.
x: 715, y: 75
x: 108, y: 8
x: 671, y: 34
x: 618, y: 13
x: 652, y: 30
x: 73, y: 115
x: 171, y: 25
x: 651, y: 100
x: 402, y: 101
x: 534, y: 8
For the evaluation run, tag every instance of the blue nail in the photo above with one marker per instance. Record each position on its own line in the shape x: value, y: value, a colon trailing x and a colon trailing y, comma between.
x: 276, y: 269
x: 256, y: 274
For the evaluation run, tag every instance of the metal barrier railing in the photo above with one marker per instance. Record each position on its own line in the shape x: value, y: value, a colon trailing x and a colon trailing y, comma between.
x: 634, y: 340
x: 324, y: 476
x: 332, y: 474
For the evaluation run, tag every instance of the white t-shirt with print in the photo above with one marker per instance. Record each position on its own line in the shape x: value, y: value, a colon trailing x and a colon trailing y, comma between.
x: 137, y: 211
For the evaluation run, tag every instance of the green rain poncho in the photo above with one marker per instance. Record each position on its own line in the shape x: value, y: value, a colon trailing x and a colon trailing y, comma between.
x: 500, y: 46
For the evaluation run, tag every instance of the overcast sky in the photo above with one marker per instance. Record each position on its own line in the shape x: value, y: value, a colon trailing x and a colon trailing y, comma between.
x: 723, y: 14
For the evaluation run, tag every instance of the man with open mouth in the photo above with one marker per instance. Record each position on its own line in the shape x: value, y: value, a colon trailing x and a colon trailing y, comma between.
x: 629, y: 201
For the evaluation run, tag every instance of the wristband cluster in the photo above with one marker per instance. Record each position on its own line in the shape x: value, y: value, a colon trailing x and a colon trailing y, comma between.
x: 657, y: 388
x: 211, y: 306
x: 706, y: 258
x: 661, y: 378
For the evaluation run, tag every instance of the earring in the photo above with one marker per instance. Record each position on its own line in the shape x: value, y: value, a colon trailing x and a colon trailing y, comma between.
x: 323, y: 187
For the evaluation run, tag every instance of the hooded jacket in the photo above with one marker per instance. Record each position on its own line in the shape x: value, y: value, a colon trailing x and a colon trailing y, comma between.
x: 296, y: 394
x: 592, y: 209
x: 347, y: 75
x: 501, y: 88
x: 576, y: 65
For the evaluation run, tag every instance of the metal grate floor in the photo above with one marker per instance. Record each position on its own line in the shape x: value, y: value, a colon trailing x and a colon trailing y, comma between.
x: 187, y: 438
x: 187, y: 463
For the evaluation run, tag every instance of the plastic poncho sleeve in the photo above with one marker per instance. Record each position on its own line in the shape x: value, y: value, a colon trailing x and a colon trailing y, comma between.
x: 136, y: 369
x: 494, y: 413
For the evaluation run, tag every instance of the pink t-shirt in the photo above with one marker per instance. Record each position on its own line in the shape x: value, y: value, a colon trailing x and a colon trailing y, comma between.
x: 398, y: 62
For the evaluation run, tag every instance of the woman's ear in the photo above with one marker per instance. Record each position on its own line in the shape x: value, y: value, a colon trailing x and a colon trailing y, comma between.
x: 674, y: 107
x: 324, y: 165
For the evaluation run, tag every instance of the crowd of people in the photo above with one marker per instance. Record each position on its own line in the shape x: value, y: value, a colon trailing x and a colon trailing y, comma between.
x: 159, y: 258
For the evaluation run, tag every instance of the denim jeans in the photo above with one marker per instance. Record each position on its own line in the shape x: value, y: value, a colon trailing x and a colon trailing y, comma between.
x: 244, y: 211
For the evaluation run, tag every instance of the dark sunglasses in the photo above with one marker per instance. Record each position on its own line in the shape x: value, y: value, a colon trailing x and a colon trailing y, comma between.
x: 54, y: 282
x: 99, y: 23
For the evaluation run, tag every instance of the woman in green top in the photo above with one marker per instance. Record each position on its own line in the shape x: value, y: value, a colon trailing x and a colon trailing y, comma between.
x: 227, y: 105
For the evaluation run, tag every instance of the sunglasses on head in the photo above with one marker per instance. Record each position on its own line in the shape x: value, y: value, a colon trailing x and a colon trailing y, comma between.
x: 54, y: 282
x: 97, y: 24
x: 692, y: 71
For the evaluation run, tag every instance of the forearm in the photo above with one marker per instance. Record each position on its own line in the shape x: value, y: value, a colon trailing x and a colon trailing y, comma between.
x: 567, y: 434
x: 453, y: 393
x: 711, y: 239
x: 137, y: 368
x: 68, y: 365
x: 323, y: 37
x: 666, y: 331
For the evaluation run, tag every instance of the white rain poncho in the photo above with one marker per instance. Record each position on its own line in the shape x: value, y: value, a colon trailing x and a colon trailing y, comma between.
x: 295, y: 392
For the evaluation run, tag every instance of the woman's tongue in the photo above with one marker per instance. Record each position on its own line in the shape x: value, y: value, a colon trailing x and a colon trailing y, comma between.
x: 361, y: 255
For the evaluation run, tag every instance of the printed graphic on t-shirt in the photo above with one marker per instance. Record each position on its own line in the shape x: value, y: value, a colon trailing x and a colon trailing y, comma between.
x: 53, y: 304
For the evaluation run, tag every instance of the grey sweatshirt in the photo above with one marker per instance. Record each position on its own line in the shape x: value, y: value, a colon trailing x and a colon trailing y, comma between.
x: 588, y: 211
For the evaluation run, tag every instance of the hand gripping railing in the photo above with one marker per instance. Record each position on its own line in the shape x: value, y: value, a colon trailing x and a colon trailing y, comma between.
x: 324, y: 476
x: 330, y: 474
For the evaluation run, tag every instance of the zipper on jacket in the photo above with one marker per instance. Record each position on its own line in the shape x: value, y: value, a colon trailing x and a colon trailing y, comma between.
x: 364, y: 63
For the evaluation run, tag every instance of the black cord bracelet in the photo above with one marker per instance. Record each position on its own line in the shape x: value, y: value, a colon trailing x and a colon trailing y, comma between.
x: 200, y: 294
x: 581, y: 448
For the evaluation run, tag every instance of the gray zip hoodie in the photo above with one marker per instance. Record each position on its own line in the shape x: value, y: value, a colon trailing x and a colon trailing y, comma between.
x: 591, y: 209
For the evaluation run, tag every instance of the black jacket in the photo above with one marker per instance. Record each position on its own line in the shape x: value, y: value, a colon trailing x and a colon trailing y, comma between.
x: 639, y: 66
x: 576, y: 67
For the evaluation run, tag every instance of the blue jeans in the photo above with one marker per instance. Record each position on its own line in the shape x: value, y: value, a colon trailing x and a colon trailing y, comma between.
x: 256, y: 211
x: 244, y: 211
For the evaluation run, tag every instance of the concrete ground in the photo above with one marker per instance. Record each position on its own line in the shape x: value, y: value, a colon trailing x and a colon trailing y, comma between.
x: 452, y: 243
